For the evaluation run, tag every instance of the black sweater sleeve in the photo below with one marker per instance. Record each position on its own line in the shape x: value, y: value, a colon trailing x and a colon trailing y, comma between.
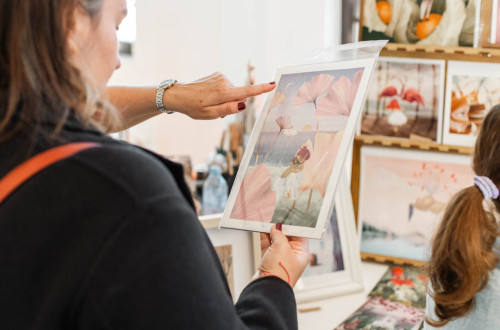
x: 160, y: 271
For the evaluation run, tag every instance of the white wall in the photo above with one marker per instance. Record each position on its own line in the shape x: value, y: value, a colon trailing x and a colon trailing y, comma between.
x: 189, y: 39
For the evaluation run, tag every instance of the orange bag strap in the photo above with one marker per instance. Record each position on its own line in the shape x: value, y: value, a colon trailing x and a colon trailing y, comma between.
x: 20, y: 174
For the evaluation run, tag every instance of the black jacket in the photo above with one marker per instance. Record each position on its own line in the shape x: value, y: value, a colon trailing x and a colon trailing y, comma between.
x: 109, y: 239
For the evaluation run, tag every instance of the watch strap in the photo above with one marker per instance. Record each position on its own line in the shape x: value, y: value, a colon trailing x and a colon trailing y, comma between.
x: 164, y: 85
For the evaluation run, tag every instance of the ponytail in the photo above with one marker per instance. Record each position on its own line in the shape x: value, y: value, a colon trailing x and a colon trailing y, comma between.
x: 462, y: 256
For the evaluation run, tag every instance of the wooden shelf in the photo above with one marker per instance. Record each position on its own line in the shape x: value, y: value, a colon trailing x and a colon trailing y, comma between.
x: 442, y: 52
x: 411, y: 144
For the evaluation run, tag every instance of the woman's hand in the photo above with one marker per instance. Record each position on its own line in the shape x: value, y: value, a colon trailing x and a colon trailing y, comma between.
x: 282, y: 256
x: 211, y: 97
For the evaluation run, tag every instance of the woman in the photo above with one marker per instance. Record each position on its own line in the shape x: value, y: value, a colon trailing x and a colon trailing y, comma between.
x: 464, y: 290
x: 108, y: 238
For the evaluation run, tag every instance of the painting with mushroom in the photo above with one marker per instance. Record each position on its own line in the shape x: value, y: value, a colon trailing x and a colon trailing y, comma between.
x: 293, y: 161
x: 424, y: 22
x: 405, y: 99
x: 471, y: 91
x: 402, y: 197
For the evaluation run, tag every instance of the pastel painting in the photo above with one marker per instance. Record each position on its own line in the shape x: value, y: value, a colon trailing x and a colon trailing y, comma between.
x: 296, y: 150
x: 471, y: 99
x: 405, y: 99
x: 403, y: 195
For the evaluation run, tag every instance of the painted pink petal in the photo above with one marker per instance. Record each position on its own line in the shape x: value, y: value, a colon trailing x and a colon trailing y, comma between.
x: 255, y: 200
x: 319, y: 167
x: 310, y: 91
x: 278, y: 98
x: 340, y: 97
x: 284, y: 122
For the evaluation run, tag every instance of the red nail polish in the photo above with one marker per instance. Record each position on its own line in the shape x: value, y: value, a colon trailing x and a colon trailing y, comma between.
x: 272, y: 83
x: 279, y: 226
x: 241, y: 106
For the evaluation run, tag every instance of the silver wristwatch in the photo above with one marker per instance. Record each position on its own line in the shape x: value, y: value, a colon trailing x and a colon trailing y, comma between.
x: 164, y: 85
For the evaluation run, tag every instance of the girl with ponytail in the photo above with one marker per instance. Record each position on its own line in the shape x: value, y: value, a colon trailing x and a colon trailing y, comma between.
x: 464, y: 288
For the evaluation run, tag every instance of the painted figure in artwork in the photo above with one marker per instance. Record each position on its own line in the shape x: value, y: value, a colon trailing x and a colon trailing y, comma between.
x: 292, y: 175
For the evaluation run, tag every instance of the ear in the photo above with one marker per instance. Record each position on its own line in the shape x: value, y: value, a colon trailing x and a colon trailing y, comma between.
x: 79, y: 30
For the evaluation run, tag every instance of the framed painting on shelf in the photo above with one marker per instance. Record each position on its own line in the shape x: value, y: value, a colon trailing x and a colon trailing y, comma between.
x: 472, y: 89
x: 402, y: 196
x: 405, y: 99
x: 293, y: 161
x: 424, y: 22
x: 335, y: 266
x: 238, y: 251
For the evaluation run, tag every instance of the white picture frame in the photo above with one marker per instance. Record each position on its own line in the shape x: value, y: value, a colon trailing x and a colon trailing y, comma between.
x: 462, y: 117
x: 353, y: 74
x: 245, y: 250
x: 350, y: 278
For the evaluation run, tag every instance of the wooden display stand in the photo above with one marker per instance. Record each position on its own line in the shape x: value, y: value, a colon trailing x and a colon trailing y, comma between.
x: 487, y: 53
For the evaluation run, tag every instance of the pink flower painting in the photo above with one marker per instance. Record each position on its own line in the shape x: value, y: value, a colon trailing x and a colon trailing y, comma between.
x: 292, y: 152
x: 340, y: 97
x: 309, y: 92
x: 255, y: 200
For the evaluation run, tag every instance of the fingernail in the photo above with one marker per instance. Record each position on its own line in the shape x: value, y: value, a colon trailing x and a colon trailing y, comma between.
x: 241, y: 106
x: 279, y: 226
x: 272, y: 83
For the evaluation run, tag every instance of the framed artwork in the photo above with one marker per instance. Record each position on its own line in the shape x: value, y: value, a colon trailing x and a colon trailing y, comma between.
x: 405, y: 99
x: 402, y: 196
x: 423, y: 22
x: 238, y: 251
x: 292, y: 163
x: 335, y: 266
x: 380, y: 313
x: 471, y: 91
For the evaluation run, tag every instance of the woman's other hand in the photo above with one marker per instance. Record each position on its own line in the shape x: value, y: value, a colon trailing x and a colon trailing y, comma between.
x: 282, y: 256
x: 211, y: 97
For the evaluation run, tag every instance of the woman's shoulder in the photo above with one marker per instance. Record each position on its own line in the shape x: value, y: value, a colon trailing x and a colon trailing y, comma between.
x: 125, y: 167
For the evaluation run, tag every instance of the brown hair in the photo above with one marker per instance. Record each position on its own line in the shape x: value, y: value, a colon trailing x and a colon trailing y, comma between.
x: 462, y: 250
x: 37, y: 80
